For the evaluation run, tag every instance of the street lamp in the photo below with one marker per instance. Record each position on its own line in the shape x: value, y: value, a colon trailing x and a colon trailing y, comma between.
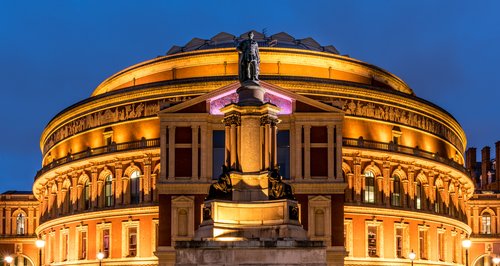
x: 412, y: 256
x: 100, y: 256
x: 466, y: 243
x: 496, y: 261
x: 40, y: 244
x: 8, y: 259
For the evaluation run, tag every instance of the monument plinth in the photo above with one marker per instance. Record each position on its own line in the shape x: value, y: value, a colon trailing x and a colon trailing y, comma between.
x: 250, y: 215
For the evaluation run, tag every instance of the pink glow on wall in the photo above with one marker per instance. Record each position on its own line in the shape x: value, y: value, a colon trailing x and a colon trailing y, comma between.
x: 282, y: 101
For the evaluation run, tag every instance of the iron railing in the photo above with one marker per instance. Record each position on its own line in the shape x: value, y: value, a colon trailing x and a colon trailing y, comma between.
x: 90, y: 152
x: 392, y: 147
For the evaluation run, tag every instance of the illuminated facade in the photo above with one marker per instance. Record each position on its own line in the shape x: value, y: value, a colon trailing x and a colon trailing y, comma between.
x: 18, y: 220
x: 403, y: 185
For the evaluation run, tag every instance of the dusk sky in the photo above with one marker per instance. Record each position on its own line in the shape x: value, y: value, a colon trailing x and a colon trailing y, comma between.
x: 54, y: 53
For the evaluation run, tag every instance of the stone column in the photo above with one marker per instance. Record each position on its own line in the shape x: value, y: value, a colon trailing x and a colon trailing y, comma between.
x: 298, y: 152
x: 8, y: 219
x: 171, y: 152
x: 274, y: 144
x: 412, y: 187
x: 233, y: 152
x: 475, y: 220
x: 331, y: 151
x: 338, y: 150
x: 307, y: 151
x: 74, y: 193
x: 388, y: 182
x: 227, y: 144
x: 147, y: 180
x: 60, y: 194
x: 163, y: 155
x: 357, y: 179
x: 194, y: 152
x: 267, y: 145
x: 118, y: 183
x: 31, y: 222
x: 203, y: 152
x: 93, y: 195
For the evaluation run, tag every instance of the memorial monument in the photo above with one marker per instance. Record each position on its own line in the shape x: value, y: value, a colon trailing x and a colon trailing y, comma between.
x: 250, y: 216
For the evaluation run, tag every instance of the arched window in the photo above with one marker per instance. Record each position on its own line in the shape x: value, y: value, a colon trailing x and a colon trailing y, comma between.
x: 108, y: 191
x: 369, y: 196
x: 437, y: 201
x: 486, y: 223
x: 20, y: 222
x: 396, y: 191
x: 418, y: 195
x: 134, y: 187
x: 86, y: 195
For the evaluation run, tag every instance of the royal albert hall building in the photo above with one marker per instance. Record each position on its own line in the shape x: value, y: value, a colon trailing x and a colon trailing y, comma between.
x: 382, y: 176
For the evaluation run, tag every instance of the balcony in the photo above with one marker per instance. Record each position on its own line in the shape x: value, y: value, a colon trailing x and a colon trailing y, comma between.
x: 391, y: 147
x: 91, y: 152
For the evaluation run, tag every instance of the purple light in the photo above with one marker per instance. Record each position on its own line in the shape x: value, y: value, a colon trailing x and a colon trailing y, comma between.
x: 219, y: 101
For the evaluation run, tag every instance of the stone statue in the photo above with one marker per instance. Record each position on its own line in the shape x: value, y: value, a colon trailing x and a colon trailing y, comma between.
x: 249, y: 59
x: 277, y: 188
x: 223, y: 188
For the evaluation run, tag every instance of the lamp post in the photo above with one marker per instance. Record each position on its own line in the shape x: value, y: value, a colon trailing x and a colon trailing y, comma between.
x: 496, y: 261
x: 8, y: 259
x: 40, y: 244
x: 100, y: 256
x: 466, y: 243
x: 412, y: 256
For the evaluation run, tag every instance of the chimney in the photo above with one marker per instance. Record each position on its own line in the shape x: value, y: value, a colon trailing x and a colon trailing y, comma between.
x: 470, y: 162
x: 485, y: 166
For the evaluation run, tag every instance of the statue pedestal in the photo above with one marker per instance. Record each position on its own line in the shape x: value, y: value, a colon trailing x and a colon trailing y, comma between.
x: 276, y: 252
x: 258, y: 220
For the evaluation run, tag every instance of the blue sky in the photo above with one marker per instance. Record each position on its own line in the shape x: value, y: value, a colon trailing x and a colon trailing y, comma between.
x: 54, y: 53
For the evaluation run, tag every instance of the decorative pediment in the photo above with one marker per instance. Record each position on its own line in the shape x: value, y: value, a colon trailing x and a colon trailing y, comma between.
x: 287, y: 101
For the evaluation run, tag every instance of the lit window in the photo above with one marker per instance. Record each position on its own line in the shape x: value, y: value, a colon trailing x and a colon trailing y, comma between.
x: 372, y: 241
x: 369, y: 196
x: 134, y: 187
x: 486, y: 223
x: 82, y: 245
x: 437, y: 202
x: 418, y: 195
x: 396, y: 192
x: 108, y: 191
x: 422, y: 244
x: 86, y: 195
x: 399, y: 242
x: 132, y: 241
x: 20, y: 221
x: 105, y: 242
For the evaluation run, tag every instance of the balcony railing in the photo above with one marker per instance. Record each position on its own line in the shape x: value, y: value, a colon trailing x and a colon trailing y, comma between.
x: 113, y: 147
x: 391, y: 147
x: 155, y: 143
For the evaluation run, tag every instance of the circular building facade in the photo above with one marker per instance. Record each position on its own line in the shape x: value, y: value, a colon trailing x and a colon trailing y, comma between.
x: 401, y: 157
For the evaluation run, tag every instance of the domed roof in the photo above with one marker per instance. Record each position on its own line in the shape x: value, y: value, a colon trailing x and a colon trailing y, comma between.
x: 226, y: 40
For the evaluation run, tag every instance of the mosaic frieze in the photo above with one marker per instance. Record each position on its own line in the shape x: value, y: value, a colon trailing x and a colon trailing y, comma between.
x: 109, y: 116
x: 396, y: 115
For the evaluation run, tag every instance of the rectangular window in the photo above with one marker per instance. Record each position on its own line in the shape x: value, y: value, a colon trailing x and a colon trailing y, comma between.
x: 218, y: 150
x: 399, y: 242
x: 105, y: 243
x: 372, y: 241
x: 284, y: 153
x: 422, y: 244
x: 486, y: 224
x: 82, y: 245
x: 132, y: 241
